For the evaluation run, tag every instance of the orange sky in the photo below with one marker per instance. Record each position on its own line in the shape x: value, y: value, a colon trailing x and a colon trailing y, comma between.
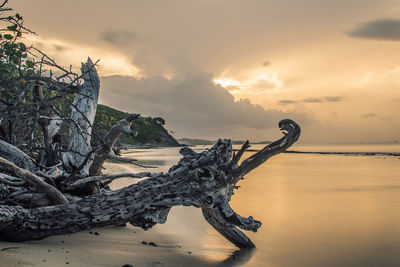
x: 230, y: 68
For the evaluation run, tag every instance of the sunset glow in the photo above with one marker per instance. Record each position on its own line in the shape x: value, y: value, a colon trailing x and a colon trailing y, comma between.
x: 334, y: 65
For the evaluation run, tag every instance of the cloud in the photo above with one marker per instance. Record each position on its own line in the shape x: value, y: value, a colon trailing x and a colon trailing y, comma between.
x: 333, y: 98
x: 262, y: 85
x: 381, y: 29
x: 323, y: 99
x: 313, y: 100
x: 369, y: 115
x: 287, y: 101
x: 119, y: 37
x: 192, y: 105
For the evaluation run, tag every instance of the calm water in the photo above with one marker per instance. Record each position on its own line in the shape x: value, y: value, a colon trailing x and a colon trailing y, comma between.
x: 316, y: 210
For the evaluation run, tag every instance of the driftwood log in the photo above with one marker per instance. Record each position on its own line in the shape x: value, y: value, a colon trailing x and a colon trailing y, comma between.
x: 204, y: 180
x: 72, y: 195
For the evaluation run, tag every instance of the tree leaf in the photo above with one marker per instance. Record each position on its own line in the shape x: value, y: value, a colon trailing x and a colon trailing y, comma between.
x: 8, y: 36
x: 22, y: 47
x: 29, y: 64
x: 12, y: 27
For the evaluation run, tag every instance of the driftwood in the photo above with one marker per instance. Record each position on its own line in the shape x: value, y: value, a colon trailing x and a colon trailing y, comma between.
x: 105, y: 151
x: 204, y: 180
x: 58, y: 192
x: 83, y: 113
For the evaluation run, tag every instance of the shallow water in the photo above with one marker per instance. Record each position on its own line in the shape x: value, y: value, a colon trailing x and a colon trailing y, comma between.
x: 316, y: 210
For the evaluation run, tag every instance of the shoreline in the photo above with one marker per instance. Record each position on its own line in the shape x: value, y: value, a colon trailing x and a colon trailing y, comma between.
x: 389, y: 154
x: 148, y: 146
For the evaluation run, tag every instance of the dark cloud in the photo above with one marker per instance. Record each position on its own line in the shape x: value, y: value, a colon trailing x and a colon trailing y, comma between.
x: 333, y: 98
x: 146, y: 63
x: 286, y: 102
x: 59, y: 48
x: 119, y: 37
x: 381, y: 29
x: 313, y: 100
x: 192, y: 105
x: 369, y: 115
x: 323, y: 99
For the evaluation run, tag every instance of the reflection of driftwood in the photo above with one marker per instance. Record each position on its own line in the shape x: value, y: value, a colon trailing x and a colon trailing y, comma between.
x: 238, y: 258
x: 204, y: 180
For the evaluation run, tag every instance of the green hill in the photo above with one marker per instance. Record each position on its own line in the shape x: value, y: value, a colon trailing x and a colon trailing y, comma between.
x: 150, y: 130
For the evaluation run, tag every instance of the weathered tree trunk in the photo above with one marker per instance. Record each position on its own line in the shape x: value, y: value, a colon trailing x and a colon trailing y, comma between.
x: 16, y: 156
x: 204, y: 180
x: 105, y: 150
x: 82, y: 114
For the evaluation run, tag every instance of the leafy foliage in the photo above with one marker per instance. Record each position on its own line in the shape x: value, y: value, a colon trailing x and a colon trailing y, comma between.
x: 150, y: 130
x: 33, y: 88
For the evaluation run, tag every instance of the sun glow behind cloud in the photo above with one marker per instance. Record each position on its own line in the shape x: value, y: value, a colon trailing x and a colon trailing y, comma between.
x: 111, y: 62
x: 257, y: 83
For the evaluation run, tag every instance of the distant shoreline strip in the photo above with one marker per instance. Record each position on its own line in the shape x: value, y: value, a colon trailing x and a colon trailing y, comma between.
x: 390, y: 154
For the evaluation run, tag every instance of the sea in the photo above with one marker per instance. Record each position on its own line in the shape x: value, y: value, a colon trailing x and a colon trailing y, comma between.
x: 317, y: 210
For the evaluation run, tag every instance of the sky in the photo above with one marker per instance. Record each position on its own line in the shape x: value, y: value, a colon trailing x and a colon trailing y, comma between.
x: 234, y: 68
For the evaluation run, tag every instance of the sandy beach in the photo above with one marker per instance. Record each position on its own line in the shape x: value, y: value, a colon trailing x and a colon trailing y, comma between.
x: 113, y: 246
x: 107, y: 246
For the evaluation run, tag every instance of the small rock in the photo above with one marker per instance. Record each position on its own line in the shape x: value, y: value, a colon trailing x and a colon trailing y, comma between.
x: 44, y: 260
x: 49, y: 250
x: 91, y: 232
x: 144, y: 242
x: 67, y: 262
x: 62, y: 241
x: 96, y: 233
x: 189, y: 252
x: 127, y: 265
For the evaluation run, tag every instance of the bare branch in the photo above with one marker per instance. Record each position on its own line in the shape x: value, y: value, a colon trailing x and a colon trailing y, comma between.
x: 105, y: 151
x: 291, y: 131
x: 81, y: 182
x: 238, y: 156
x: 53, y: 193
x: 111, y: 155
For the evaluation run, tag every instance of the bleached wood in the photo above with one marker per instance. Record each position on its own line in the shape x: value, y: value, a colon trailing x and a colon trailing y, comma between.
x: 53, y: 193
x: 16, y: 156
x: 82, y: 114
